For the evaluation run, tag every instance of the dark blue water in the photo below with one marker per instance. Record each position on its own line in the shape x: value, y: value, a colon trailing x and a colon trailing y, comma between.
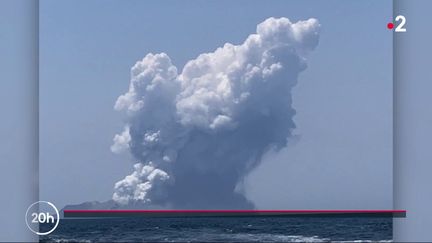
x: 222, y: 229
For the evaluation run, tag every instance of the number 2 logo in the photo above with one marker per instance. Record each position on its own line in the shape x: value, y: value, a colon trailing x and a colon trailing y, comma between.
x: 402, y: 21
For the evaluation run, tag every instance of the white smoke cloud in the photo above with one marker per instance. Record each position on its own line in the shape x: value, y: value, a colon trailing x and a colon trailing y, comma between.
x: 196, y: 134
x: 134, y: 187
x: 121, y: 141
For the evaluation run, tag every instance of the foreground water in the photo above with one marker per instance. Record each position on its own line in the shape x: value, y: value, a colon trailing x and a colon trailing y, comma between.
x: 222, y: 229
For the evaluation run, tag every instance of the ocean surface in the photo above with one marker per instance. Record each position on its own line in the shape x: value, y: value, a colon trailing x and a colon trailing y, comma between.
x: 222, y: 229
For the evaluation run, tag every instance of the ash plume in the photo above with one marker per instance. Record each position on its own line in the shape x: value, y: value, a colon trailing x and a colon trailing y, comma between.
x: 196, y: 133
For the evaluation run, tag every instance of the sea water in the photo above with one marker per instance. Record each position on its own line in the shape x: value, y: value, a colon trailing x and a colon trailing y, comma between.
x: 223, y: 229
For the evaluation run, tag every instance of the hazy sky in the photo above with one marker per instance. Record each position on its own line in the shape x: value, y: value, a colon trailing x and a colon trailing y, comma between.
x: 342, y: 157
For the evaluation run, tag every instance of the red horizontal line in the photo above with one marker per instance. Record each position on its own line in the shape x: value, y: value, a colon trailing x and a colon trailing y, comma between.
x: 233, y: 211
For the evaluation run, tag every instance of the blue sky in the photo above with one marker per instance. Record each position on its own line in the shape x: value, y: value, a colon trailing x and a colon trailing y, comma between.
x: 343, y: 100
